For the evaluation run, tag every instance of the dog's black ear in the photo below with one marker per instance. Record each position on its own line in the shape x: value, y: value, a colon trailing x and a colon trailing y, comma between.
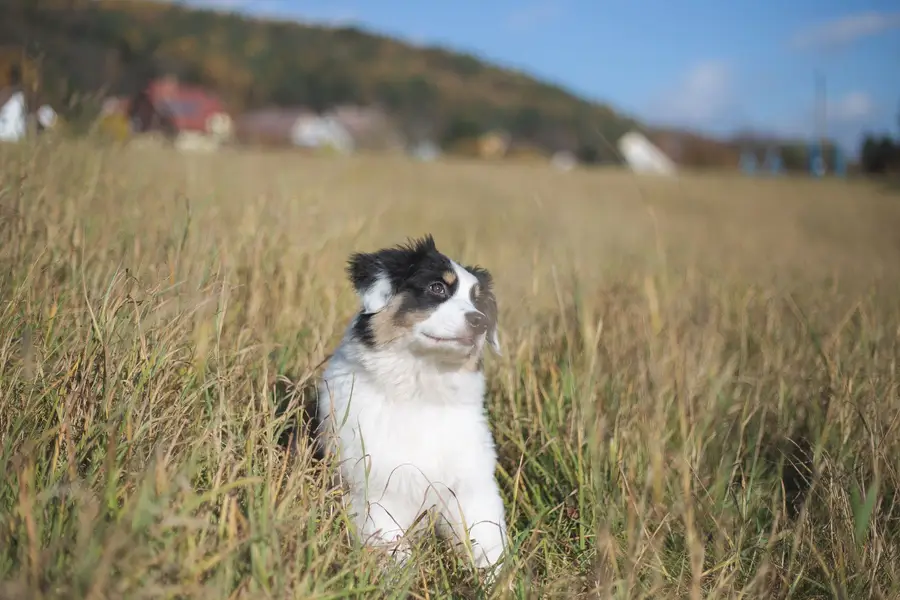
x: 377, y: 276
x: 370, y: 280
x: 486, y: 302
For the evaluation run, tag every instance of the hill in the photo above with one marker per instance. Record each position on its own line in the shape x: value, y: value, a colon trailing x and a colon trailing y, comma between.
x: 89, y: 45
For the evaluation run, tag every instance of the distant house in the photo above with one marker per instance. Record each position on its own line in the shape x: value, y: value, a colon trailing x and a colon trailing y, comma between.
x: 16, y: 119
x: 13, y: 113
x: 564, y: 160
x: 688, y: 149
x: 672, y: 144
x: 425, y: 151
x: 322, y: 132
x: 493, y: 144
x: 643, y: 157
x: 370, y: 127
x: 192, y: 116
x: 115, y: 105
x: 46, y: 117
x: 298, y: 127
x: 269, y: 126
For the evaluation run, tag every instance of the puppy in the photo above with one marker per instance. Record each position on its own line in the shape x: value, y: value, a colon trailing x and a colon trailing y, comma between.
x: 401, y: 403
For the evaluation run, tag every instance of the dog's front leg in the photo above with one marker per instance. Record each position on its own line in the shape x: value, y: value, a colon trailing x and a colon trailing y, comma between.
x: 382, y: 525
x: 476, y: 513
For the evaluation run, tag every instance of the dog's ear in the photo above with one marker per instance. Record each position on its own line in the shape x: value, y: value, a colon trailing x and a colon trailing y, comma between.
x: 486, y: 302
x: 493, y: 337
x: 377, y: 275
x: 369, y: 279
x: 494, y: 340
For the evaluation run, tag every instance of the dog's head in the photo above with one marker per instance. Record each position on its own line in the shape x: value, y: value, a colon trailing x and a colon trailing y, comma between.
x: 414, y: 295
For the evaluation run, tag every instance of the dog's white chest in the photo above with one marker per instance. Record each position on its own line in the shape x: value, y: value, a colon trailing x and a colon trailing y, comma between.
x: 440, y: 442
x: 411, y: 427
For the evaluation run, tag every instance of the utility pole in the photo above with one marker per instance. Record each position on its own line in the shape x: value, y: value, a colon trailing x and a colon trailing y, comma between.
x: 821, y: 108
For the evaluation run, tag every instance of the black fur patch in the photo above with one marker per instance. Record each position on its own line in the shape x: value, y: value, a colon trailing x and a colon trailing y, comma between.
x: 411, y: 269
x: 363, y: 330
x: 482, y: 296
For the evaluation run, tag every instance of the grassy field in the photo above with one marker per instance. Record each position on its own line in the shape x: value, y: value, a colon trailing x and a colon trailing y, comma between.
x: 697, y: 398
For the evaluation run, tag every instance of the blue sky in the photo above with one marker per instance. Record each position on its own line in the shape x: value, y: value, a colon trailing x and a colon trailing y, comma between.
x: 711, y: 66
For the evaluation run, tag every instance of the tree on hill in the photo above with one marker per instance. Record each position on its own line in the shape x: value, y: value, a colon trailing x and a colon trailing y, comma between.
x: 879, y: 154
x: 460, y: 127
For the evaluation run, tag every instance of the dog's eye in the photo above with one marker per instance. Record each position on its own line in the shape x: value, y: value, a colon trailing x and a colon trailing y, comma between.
x: 438, y: 289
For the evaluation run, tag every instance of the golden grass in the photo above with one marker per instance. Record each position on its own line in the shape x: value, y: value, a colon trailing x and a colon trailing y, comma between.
x: 697, y: 398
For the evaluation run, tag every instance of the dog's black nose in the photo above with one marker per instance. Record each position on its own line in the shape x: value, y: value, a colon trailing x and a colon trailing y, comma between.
x: 477, y: 322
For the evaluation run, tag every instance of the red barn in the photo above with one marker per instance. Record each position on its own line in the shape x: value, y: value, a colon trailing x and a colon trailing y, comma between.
x: 174, y: 108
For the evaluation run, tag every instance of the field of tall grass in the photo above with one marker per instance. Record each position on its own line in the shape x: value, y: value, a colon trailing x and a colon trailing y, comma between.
x: 697, y: 397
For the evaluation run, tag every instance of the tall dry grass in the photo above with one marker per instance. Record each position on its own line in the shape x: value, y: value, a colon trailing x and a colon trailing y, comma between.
x: 698, y: 395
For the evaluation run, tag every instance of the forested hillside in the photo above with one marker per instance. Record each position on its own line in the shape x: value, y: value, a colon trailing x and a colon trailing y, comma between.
x: 84, y: 46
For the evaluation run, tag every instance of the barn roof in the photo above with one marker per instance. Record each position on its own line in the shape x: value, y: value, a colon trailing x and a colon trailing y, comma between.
x: 188, y: 107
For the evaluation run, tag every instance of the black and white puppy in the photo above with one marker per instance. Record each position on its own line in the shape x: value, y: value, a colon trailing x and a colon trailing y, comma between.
x: 401, y: 403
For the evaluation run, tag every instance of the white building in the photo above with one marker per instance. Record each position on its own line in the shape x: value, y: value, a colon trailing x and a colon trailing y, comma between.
x: 425, y: 151
x: 13, y: 113
x: 46, y: 116
x: 317, y: 131
x: 564, y: 160
x: 643, y: 157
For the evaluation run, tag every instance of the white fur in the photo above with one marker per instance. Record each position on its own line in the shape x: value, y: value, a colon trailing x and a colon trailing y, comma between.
x: 378, y: 295
x: 408, y: 425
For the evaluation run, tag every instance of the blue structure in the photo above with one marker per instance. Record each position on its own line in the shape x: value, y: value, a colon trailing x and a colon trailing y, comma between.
x: 774, y: 164
x: 773, y: 161
x: 840, y: 163
x: 748, y: 162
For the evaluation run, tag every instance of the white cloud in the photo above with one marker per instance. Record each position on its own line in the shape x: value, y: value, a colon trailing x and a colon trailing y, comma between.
x: 846, y: 30
x: 702, y: 96
x: 853, y: 107
x: 534, y: 14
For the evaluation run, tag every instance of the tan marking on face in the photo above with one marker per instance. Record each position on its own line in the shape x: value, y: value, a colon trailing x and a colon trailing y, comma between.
x: 409, y: 319
x: 386, y: 327
x: 384, y: 330
x: 449, y: 277
x: 476, y: 291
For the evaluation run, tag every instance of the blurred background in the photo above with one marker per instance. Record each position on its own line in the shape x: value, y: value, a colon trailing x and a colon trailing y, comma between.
x: 807, y: 86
